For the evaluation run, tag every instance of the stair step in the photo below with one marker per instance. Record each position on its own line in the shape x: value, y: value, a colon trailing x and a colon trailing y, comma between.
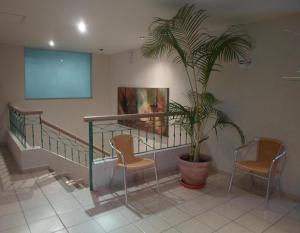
x: 74, y: 182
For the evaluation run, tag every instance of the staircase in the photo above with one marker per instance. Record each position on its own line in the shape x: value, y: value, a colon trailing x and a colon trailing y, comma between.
x: 36, y: 142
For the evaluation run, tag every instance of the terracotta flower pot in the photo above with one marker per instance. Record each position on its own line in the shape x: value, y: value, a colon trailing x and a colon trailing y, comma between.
x: 193, y: 174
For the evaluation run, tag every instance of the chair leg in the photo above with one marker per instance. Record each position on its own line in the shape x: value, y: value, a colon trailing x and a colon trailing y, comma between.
x: 111, y: 177
x: 268, y: 191
x: 278, y: 185
x: 231, y: 179
x: 156, y: 177
x: 125, y: 186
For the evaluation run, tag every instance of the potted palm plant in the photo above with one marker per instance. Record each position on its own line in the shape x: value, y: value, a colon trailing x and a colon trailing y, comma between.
x: 201, y: 53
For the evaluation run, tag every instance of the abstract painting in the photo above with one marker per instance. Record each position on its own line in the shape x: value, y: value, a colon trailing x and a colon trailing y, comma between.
x: 144, y: 100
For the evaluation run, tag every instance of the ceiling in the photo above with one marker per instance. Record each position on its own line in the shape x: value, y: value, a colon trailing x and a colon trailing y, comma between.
x: 115, y: 25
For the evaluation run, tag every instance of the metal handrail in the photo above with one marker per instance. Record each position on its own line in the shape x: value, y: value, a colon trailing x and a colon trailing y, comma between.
x: 61, y: 130
x: 127, y: 116
x: 24, y: 112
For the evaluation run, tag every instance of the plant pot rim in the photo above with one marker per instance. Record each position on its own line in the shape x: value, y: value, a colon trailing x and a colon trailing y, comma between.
x: 206, y: 158
x: 191, y: 186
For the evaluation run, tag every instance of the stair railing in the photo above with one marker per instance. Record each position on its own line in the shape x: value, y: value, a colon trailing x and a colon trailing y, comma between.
x: 32, y: 130
x: 66, y: 144
x: 159, y: 130
x: 23, y: 124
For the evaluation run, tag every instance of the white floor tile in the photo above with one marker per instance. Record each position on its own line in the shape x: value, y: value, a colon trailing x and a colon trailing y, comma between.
x: 66, y: 206
x: 152, y: 224
x: 128, y: 229
x: 41, y: 212
x: 295, y: 214
x: 266, y: 215
x: 34, y: 202
x: 233, y: 228
x: 74, y: 217
x: 29, y: 194
x: 171, y: 230
x: 193, y: 226
x: 131, y: 215
x: 46, y: 225
x: 174, y: 216
x: 9, y: 207
x: 275, y: 229
x: 53, y: 187
x: 213, y: 219
x: 288, y: 224
x: 112, y: 221
x: 192, y: 208
x: 253, y: 223
x: 87, y: 227
x: 24, y: 184
x: 11, y: 221
x: 281, y: 205
x: 222, y: 195
x: 22, y: 229
x: 184, y: 193
x: 172, y: 197
x: 59, y: 196
x: 198, y: 205
x: 230, y: 211
x: 61, y: 231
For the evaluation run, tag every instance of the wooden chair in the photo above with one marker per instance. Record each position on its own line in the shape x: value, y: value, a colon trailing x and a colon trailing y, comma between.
x: 124, y: 148
x: 270, y: 155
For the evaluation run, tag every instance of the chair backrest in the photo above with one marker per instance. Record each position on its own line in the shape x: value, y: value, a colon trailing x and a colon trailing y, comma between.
x: 268, y: 149
x: 124, y: 143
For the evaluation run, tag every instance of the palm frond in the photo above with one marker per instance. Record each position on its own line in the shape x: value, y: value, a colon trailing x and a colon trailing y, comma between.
x: 182, y: 33
x: 183, y: 115
x: 222, y: 121
x: 231, y: 45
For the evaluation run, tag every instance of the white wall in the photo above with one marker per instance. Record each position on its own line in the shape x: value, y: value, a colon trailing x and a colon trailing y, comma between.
x: 136, y: 71
x: 66, y: 113
x: 256, y: 97
x: 260, y: 101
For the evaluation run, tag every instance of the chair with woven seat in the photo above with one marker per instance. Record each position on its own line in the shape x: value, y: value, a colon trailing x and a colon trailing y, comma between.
x: 270, y: 155
x: 123, y: 145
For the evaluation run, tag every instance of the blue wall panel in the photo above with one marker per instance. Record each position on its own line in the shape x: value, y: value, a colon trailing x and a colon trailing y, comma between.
x: 56, y: 74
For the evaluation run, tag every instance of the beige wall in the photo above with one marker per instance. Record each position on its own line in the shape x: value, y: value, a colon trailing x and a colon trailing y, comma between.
x: 255, y: 97
x: 260, y: 101
x: 67, y: 113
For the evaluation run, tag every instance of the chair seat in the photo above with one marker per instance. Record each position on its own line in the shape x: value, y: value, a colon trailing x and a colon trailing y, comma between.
x: 138, y: 164
x: 260, y: 167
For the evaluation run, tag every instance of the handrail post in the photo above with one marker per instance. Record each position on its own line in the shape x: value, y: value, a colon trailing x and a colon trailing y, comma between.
x: 91, y: 154
x: 24, y: 130
x: 41, y: 128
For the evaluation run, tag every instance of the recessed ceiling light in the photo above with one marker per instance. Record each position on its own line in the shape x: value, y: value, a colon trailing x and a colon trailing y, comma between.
x: 81, y: 27
x: 51, y: 43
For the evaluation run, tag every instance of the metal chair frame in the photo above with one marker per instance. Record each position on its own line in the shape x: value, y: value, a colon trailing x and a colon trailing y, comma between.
x: 125, y: 170
x: 271, y: 173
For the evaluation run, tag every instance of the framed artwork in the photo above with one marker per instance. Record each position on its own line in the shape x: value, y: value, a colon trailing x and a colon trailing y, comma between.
x: 144, y: 100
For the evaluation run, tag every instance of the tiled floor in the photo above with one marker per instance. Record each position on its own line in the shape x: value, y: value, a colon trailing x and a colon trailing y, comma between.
x: 37, y: 202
